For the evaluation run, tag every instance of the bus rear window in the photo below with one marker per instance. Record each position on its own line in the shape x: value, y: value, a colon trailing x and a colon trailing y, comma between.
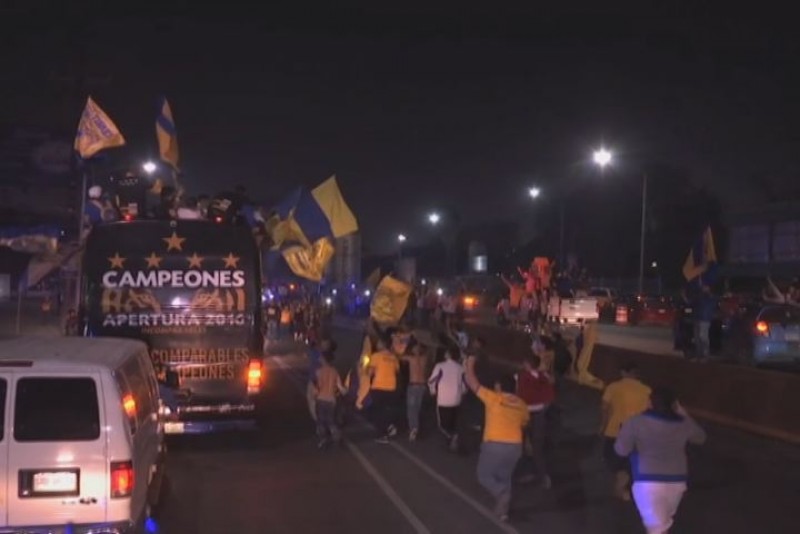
x: 56, y: 409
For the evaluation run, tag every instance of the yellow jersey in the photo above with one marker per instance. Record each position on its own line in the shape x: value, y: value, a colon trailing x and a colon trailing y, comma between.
x: 506, y: 414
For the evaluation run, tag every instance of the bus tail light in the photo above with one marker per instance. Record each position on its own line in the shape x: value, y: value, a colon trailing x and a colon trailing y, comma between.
x: 762, y: 329
x: 128, y: 217
x: 121, y: 479
x: 255, y: 375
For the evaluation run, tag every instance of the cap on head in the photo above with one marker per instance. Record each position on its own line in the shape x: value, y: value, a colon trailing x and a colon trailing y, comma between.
x: 95, y: 191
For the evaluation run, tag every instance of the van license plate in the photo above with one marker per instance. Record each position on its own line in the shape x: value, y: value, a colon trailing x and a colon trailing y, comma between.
x: 55, y: 482
x: 792, y: 336
x: 173, y: 428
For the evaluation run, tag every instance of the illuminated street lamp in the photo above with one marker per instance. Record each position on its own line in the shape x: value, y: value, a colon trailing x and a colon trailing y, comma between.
x: 434, y: 218
x: 149, y: 167
x: 602, y: 157
x: 534, y: 192
x: 401, y: 238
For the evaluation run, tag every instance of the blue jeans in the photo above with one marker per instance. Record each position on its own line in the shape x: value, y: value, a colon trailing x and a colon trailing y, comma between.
x: 496, y: 465
x: 414, y: 396
x: 701, y: 338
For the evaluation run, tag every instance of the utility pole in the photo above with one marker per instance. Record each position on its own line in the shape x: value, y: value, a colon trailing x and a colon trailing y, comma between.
x: 642, y: 234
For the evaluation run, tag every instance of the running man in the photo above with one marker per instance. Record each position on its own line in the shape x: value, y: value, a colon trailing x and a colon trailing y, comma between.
x: 383, y: 368
x: 656, y: 443
x: 621, y: 400
x: 501, y: 449
x: 417, y: 367
x: 327, y: 385
x: 447, y: 384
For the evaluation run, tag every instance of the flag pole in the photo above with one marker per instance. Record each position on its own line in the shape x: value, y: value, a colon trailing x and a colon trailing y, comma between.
x: 84, y: 187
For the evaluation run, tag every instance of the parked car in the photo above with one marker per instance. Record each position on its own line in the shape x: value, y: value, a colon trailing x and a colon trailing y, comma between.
x: 652, y: 310
x: 567, y: 309
x: 81, y: 443
x: 606, y: 302
x: 764, y: 334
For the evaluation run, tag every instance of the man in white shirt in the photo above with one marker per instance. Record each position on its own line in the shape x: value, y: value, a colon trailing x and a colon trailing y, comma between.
x: 447, y: 384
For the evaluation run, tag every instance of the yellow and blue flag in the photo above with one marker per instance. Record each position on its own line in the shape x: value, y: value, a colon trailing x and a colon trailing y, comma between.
x: 166, y: 134
x: 307, y: 216
x: 309, y: 262
x: 305, y: 224
x: 702, y: 258
x: 96, y: 131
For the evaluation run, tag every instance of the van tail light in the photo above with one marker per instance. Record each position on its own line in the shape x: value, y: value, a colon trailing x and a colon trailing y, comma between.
x: 762, y: 328
x: 255, y: 375
x: 121, y: 479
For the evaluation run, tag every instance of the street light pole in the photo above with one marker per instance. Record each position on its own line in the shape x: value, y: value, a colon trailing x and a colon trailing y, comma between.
x: 561, y: 234
x: 642, y: 233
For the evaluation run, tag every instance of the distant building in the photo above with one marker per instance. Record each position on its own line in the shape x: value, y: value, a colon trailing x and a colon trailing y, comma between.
x: 345, y: 267
x: 764, y: 240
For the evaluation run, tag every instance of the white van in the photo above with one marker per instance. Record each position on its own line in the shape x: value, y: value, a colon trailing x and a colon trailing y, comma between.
x: 81, y: 447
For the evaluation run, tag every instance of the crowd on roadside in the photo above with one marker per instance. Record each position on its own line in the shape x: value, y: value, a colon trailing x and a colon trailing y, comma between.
x: 645, y: 430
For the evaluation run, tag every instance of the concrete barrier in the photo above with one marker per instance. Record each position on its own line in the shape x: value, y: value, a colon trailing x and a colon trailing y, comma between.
x: 760, y: 401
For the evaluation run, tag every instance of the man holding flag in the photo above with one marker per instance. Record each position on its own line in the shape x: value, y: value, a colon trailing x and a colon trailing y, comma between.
x: 700, y: 268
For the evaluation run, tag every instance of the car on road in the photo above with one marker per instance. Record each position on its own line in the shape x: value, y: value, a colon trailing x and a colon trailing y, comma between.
x: 569, y: 309
x: 764, y: 335
x: 80, y: 440
x: 652, y: 310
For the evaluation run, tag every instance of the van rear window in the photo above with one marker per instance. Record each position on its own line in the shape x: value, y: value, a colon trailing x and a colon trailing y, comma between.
x: 56, y: 409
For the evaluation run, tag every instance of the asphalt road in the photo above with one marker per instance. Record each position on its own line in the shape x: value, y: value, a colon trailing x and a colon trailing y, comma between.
x: 277, y: 481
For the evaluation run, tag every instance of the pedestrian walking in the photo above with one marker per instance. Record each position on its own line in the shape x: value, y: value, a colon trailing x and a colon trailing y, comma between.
x: 506, y: 415
x: 417, y: 362
x: 656, y: 443
x: 383, y: 369
x: 315, y: 354
x: 447, y: 384
x: 327, y: 385
x: 535, y: 387
x: 622, y: 400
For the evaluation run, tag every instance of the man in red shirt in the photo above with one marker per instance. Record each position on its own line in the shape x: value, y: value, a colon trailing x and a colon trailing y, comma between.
x: 536, y: 388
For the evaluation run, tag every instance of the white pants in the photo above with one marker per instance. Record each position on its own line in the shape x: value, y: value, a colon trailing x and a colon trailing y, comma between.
x: 657, y: 503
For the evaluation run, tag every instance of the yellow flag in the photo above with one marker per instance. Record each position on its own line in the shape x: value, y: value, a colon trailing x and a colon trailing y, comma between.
x: 96, y: 131
x: 309, y: 262
x: 390, y: 300
x: 166, y: 134
x: 336, y: 210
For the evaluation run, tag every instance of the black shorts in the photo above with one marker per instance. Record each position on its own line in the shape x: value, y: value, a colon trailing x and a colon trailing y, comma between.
x: 614, y: 461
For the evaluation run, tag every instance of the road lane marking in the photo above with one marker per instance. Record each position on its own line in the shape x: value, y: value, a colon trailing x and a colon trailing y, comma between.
x: 388, y: 490
x: 478, y: 507
x: 372, y: 471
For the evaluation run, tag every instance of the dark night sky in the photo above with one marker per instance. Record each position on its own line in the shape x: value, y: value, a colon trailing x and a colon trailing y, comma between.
x: 414, y: 109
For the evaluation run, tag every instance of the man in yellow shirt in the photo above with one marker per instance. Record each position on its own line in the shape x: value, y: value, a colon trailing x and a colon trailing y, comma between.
x: 383, y: 368
x: 622, y: 399
x: 506, y: 415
